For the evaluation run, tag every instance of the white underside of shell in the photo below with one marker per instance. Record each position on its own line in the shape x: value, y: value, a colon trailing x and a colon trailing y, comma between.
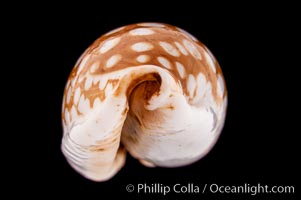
x: 164, y: 131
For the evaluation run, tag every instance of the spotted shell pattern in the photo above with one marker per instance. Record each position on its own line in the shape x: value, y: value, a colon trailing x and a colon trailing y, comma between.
x: 109, y: 73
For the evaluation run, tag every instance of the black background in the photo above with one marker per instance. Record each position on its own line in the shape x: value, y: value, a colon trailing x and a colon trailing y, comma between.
x: 254, y: 46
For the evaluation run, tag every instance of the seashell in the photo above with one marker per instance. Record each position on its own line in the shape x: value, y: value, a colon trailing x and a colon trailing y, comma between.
x: 149, y: 89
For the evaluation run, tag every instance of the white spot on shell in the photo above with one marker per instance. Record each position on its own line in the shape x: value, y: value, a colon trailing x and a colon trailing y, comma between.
x: 109, y: 45
x: 113, y: 60
x: 191, y: 85
x: 88, y: 83
x: 208, y: 91
x: 142, y: 46
x: 169, y: 49
x: 76, y: 95
x: 181, y: 48
x: 208, y: 99
x: 220, y: 86
x: 83, y: 105
x: 181, y: 69
x: 164, y: 62
x: 204, y: 97
x: 210, y: 61
x: 73, y: 113
x: 192, y: 49
x: 141, y: 31
x: 108, y: 89
x: 187, y: 34
x: 201, y: 85
x: 94, y: 67
x: 143, y: 58
x: 102, y: 83
x: 152, y: 24
x: 68, y: 95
